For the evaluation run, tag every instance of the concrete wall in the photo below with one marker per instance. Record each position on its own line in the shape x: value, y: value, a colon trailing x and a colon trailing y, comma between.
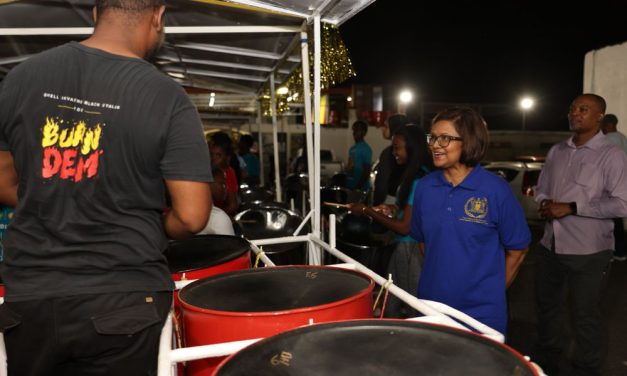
x: 605, y: 74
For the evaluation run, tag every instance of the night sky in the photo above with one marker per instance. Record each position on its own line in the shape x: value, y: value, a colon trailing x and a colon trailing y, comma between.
x: 463, y: 51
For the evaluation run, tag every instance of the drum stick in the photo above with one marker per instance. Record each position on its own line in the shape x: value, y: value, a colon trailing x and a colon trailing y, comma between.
x: 246, y: 221
x: 336, y: 204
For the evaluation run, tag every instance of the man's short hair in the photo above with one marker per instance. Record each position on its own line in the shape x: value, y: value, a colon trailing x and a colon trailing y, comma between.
x: 360, y: 124
x: 130, y: 6
x: 598, y: 99
x: 610, y: 119
x: 247, y: 140
x: 396, y: 121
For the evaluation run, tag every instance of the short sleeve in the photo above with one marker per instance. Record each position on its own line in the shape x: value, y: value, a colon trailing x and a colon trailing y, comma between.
x: 410, y: 198
x: 512, y: 225
x: 186, y: 154
x: 231, y: 180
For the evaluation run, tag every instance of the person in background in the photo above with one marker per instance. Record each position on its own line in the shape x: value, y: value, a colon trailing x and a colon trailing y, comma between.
x: 359, y: 159
x: 473, y: 230
x: 410, y: 151
x: 90, y: 137
x: 389, y: 172
x: 225, y: 187
x: 608, y: 126
x: 233, y: 161
x: 245, y: 143
x: 582, y: 186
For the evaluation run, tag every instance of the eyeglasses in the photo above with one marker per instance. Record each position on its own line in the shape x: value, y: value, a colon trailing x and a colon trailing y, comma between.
x: 443, y: 140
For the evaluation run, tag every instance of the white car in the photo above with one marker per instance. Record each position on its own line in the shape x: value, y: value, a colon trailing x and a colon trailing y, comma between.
x: 522, y: 176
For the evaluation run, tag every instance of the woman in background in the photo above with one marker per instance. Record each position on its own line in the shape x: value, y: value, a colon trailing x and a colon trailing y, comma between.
x: 410, y: 151
x: 224, y: 187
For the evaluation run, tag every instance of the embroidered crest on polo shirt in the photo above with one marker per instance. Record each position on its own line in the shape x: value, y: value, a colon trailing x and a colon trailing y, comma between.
x: 476, y: 209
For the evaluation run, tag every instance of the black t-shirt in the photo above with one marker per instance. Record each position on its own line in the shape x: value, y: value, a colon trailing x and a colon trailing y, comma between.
x: 93, y: 136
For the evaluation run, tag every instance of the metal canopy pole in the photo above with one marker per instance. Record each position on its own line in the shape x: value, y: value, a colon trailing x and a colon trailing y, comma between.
x: 304, y: 45
x: 262, y: 179
x: 316, y: 136
x: 275, y: 141
x: 168, y: 30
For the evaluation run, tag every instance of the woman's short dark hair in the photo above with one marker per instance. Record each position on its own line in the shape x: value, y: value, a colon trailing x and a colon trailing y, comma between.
x: 472, y: 128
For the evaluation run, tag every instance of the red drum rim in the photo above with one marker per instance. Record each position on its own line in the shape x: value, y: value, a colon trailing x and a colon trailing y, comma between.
x: 288, y: 311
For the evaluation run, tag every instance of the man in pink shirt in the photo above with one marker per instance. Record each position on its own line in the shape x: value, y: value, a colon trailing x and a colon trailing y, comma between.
x: 583, y: 185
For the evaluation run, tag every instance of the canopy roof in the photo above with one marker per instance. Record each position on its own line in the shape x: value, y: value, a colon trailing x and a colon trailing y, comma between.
x: 223, y: 46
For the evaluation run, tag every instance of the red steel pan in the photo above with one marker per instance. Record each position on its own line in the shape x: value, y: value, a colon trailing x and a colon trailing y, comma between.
x: 262, y: 302
x: 207, y: 255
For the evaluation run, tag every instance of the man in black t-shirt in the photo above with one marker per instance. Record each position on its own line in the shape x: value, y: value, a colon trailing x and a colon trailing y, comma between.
x: 90, y: 137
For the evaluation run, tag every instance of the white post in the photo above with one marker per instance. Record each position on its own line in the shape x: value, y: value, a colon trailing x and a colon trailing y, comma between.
x: 316, y: 137
x: 332, y: 230
x: 313, y: 249
x: 262, y: 179
x: 164, y: 363
x: 275, y: 141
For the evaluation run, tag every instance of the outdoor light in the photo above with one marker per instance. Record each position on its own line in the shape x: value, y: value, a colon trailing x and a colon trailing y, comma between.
x: 212, y: 99
x: 526, y: 103
x: 405, y: 96
x: 349, y: 99
x: 282, y: 90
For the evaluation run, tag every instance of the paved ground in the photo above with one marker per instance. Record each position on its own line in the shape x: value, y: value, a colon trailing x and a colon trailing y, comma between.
x: 523, y: 318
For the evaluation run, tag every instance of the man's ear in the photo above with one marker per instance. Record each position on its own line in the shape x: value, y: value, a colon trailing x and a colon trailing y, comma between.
x: 94, y: 14
x: 158, y: 19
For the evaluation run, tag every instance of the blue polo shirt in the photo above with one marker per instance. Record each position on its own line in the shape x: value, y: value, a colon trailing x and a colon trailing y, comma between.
x: 252, y: 165
x: 466, y: 230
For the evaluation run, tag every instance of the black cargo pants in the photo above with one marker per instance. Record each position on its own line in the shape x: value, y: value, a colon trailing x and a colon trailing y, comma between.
x: 105, y: 334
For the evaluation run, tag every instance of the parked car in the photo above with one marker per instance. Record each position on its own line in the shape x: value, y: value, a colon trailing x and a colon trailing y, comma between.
x: 522, y: 176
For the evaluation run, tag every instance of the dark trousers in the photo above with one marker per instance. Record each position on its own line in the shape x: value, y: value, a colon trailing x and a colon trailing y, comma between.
x: 585, y: 277
x: 85, y: 335
x: 620, y: 248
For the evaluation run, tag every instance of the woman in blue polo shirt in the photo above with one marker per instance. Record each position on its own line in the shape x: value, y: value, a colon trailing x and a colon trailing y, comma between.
x: 473, y: 229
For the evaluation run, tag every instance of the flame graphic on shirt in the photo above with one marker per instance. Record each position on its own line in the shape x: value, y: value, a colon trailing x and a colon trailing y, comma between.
x: 71, y: 153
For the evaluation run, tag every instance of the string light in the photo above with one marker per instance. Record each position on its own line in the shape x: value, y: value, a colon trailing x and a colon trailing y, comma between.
x: 335, y: 67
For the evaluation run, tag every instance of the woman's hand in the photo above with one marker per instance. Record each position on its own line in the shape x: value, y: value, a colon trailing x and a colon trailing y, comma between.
x: 357, y: 208
x: 383, y: 209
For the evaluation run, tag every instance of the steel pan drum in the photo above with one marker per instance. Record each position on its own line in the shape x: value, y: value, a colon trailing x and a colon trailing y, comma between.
x: 265, y: 222
x: 262, y: 302
x: 207, y: 255
x: 363, y: 240
x: 376, y: 348
x: 255, y: 195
